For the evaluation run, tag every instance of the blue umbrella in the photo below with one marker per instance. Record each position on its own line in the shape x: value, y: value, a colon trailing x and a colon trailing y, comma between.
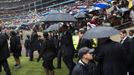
x: 102, y: 5
x: 109, y: 0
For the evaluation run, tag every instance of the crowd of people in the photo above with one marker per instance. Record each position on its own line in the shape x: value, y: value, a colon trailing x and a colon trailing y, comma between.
x: 104, y: 57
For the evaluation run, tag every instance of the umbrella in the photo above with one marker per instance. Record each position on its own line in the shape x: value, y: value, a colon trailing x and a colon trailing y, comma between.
x: 49, y: 12
x: 58, y: 17
x: 83, y: 10
x: 54, y: 27
x: 123, y: 9
x: 100, y: 32
x: 80, y: 15
x: 92, y: 8
x: 102, y: 5
x: 109, y: 0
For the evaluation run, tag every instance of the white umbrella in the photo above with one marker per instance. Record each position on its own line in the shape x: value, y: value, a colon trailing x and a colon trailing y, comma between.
x: 92, y: 8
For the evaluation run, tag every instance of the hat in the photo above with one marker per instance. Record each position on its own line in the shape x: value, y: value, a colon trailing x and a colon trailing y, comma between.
x: 84, y: 50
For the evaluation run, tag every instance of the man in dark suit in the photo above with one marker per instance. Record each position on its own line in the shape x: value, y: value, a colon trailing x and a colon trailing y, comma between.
x: 124, y: 39
x: 34, y: 43
x: 131, y: 53
x: 125, y: 42
x: 4, y: 52
x: 110, y: 58
x: 67, y: 48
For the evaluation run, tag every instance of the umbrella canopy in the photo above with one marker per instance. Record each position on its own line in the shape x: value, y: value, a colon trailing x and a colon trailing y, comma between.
x: 102, y: 5
x: 58, y: 17
x: 92, y: 8
x: 109, y: 0
x: 83, y: 10
x: 123, y: 9
x: 80, y: 15
x: 50, y: 12
x: 100, y: 32
x: 54, y: 27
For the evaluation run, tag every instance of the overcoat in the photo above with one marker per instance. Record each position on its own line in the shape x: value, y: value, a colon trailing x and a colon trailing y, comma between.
x: 110, y: 57
x: 4, y: 50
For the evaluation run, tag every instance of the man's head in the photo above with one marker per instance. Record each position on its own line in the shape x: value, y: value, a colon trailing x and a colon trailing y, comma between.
x: 131, y: 32
x: 86, y: 53
x: 123, y: 34
x: 64, y: 28
x: 28, y: 36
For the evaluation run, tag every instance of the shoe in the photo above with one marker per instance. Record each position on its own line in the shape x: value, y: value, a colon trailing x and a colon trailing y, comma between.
x: 17, y: 66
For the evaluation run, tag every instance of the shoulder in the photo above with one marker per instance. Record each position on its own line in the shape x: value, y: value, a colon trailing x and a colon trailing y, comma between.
x: 78, y: 67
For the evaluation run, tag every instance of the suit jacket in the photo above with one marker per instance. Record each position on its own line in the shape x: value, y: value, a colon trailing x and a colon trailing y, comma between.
x: 34, y: 41
x: 4, y: 50
x: 131, y: 55
x: 48, y: 50
x: 15, y: 44
x: 67, y: 44
x: 126, y: 44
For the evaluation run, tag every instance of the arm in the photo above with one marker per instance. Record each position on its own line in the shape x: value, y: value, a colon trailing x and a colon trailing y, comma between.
x: 2, y: 39
x: 43, y: 47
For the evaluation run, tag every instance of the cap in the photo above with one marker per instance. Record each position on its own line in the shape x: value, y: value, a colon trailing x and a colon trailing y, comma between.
x: 84, y: 50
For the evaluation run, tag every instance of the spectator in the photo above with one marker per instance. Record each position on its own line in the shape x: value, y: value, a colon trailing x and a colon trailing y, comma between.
x: 15, y: 47
x: 27, y: 46
x: 110, y: 56
x: 82, y: 67
x: 48, y: 54
x: 4, y: 53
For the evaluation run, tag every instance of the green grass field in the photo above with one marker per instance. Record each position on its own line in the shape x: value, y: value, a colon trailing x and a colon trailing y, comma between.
x: 33, y: 68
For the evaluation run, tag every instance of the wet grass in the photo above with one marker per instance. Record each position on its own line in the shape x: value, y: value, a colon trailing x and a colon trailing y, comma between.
x: 33, y: 68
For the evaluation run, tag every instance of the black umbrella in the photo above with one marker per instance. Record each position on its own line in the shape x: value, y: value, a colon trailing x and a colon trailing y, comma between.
x: 80, y: 15
x: 100, y: 32
x: 54, y: 27
x: 58, y: 17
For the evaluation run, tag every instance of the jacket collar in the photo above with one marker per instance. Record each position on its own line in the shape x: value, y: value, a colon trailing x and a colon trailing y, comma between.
x: 81, y: 62
x: 131, y: 36
x: 124, y: 39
